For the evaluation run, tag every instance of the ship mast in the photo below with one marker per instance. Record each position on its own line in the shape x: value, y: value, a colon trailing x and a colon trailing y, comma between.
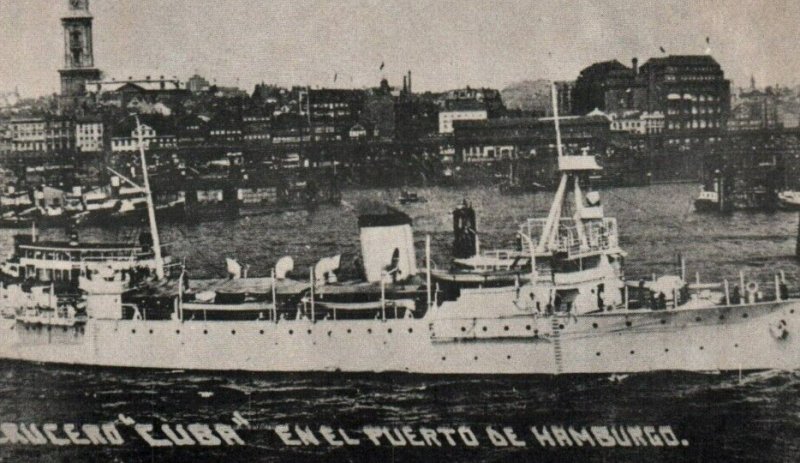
x: 151, y: 213
x: 569, y: 166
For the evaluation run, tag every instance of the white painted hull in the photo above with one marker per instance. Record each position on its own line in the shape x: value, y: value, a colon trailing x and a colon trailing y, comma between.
x: 718, y: 338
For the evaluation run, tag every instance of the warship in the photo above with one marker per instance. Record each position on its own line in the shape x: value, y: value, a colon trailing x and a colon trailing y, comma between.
x: 569, y: 309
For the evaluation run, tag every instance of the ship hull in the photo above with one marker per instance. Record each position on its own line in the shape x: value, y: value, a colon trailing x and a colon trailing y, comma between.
x: 718, y: 338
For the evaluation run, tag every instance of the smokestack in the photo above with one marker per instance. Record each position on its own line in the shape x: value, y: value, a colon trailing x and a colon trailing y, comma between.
x: 405, y: 85
x: 635, y: 63
x: 409, y: 81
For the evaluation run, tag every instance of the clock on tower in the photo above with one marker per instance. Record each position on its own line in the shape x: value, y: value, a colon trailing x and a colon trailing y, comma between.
x: 79, y: 5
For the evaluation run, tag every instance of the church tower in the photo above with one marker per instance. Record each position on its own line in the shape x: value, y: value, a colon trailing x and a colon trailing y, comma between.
x: 78, y: 55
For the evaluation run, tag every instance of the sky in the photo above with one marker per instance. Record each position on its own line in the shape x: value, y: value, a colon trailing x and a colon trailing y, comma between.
x: 446, y: 44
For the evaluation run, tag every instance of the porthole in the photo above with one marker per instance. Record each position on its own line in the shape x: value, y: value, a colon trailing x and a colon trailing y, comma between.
x: 791, y: 311
x: 597, y: 354
x: 484, y: 328
x: 744, y: 315
x: 633, y: 352
x: 205, y: 331
x: 369, y: 330
x: 508, y: 357
x: 463, y: 329
x: 309, y: 331
x: 528, y: 327
x: 505, y: 328
x: 476, y: 358
x: 133, y: 331
x: 701, y: 347
x: 736, y: 346
x: 561, y: 326
x: 348, y: 330
x: 389, y: 331
x: 698, y: 319
x: 594, y: 325
x: 151, y: 331
x: 329, y: 333
x: 628, y: 323
x: 666, y: 350
x: 176, y: 331
x: 663, y: 322
x: 291, y: 331
x: 411, y: 330
x: 233, y: 331
x: 444, y: 358
x: 260, y: 331
x: 535, y: 332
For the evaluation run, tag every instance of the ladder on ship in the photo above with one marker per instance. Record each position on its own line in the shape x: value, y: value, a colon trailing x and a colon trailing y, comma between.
x: 556, y: 338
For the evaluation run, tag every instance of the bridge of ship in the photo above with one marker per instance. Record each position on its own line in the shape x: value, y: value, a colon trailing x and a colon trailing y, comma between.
x: 601, y: 237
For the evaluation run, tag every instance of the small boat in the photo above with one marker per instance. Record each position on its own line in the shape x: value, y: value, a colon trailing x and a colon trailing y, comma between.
x: 408, y: 197
x: 707, y: 201
x: 789, y: 200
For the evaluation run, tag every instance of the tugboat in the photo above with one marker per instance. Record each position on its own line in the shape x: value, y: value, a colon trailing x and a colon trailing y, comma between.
x: 575, y: 313
x: 714, y: 197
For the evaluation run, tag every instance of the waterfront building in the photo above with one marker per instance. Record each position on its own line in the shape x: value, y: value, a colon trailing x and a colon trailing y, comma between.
x: 691, y: 91
x: 498, y: 139
x: 78, y: 54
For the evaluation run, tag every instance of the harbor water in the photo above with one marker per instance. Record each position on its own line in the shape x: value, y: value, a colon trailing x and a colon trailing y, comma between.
x: 747, y: 416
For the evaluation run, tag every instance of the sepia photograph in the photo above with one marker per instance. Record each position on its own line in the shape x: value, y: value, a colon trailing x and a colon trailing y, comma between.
x: 399, y: 231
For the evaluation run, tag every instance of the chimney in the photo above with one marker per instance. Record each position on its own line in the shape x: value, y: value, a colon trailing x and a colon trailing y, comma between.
x: 635, y: 64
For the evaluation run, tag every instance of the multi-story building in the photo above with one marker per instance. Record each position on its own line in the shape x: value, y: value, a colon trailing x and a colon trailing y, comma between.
x: 89, y: 135
x: 488, y: 98
x: 691, y: 91
x: 564, y: 92
x: 155, y: 135
x: 609, y: 86
x: 331, y: 112
x: 754, y: 109
x: 5, y: 137
x: 463, y: 110
x: 637, y: 122
x: 41, y: 134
